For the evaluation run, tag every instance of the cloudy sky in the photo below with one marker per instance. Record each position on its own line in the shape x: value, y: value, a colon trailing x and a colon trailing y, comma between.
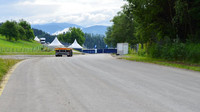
x: 81, y: 12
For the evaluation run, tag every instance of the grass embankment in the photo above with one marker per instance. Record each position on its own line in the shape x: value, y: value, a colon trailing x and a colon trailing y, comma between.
x: 5, y: 65
x: 183, y: 65
x: 21, y: 47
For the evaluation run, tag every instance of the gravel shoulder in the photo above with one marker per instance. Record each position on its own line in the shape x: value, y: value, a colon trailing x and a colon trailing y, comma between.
x: 23, y: 56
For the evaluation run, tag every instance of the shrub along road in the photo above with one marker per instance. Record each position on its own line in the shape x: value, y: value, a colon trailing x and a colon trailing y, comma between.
x: 99, y: 83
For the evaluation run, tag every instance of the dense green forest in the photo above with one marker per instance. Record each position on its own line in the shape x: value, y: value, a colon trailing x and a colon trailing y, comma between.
x: 168, y: 29
x: 14, y: 31
x: 94, y: 39
x: 42, y: 34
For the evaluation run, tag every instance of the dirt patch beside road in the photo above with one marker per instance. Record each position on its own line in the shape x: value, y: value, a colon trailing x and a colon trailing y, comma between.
x: 23, y: 56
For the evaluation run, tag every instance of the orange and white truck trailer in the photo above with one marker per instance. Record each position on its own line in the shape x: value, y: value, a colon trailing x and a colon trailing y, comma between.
x: 63, y: 51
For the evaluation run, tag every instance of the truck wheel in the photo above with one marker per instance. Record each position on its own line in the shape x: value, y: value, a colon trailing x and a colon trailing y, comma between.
x: 71, y: 54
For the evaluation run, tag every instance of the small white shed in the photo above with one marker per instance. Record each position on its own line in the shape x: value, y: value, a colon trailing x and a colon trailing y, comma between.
x: 122, y: 48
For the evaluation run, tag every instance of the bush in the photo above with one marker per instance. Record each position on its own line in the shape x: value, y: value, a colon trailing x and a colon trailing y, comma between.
x: 142, y: 51
x: 154, y: 51
x: 176, y: 52
x: 193, y: 52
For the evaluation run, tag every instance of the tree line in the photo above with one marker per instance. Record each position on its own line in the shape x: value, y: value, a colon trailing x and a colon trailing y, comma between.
x: 92, y: 40
x: 84, y: 39
x: 71, y: 35
x: 14, y: 31
x: 41, y: 34
x: 169, y: 29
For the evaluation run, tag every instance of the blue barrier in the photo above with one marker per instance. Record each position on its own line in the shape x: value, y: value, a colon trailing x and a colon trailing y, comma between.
x: 100, y: 51
x: 110, y: 51
x: 89, y: 51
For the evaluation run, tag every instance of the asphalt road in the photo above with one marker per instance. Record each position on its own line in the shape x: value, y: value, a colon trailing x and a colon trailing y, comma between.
x: 99, y: 83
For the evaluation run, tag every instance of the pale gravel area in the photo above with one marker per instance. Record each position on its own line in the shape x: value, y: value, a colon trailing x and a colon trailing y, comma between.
x: 99, y: 83
x: 24, y: 56
x: 32, y: 56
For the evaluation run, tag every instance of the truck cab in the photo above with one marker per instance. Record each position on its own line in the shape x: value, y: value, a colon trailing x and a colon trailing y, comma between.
x: 63, y: 51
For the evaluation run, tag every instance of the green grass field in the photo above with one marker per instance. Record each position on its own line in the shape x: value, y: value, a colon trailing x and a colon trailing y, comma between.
x: 18, y: 44
x: 183, y: 65
x: 5, y: 65
x: 22, y: 47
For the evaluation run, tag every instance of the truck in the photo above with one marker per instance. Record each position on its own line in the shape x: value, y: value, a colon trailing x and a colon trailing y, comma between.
x: 63, y: 51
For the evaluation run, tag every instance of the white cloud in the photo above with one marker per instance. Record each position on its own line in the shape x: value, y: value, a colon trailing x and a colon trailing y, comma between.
x: 82, y: 12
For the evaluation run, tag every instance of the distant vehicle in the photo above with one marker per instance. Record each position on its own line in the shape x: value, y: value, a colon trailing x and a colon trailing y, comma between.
x: 63, y: 51
x: 42, y: 40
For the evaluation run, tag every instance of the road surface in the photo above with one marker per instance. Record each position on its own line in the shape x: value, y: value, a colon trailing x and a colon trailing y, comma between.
x: 99, y: 83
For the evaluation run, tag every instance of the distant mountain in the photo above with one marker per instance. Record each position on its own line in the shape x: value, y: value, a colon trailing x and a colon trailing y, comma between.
x: 61, y: 32
x: 57, y: 28
x: 98, y: 29
x: 54, y: 27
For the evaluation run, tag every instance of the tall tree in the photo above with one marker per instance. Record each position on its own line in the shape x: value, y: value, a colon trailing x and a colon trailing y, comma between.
x: 121, y: 31
x: 28, y: 31
x: 22, y: 33
x: 71, y: 35
x: 94, y: 39
x: 109, y: 40
x: 10, y: 30
x: 194, y: 20
x: 76, y: 33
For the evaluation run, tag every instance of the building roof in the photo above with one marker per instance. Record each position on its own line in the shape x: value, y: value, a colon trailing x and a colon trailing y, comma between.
x: 37, y: 39
x: 56, y: 43
x: 75, y: 45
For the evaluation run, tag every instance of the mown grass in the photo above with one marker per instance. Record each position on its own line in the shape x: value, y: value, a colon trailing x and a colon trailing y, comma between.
x: 22, y: 47
x: 178, y: 64
x: 5, y: 65
x: 18, y: 44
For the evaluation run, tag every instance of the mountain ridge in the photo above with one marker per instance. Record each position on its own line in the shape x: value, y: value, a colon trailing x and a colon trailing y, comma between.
x: 52, y: 28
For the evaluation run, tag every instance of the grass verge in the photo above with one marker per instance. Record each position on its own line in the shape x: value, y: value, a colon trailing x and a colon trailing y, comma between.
x: 5, y: 65
x: 183, y: 65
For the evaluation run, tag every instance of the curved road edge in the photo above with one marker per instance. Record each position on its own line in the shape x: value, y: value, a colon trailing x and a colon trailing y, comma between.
x: 7, y: 76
